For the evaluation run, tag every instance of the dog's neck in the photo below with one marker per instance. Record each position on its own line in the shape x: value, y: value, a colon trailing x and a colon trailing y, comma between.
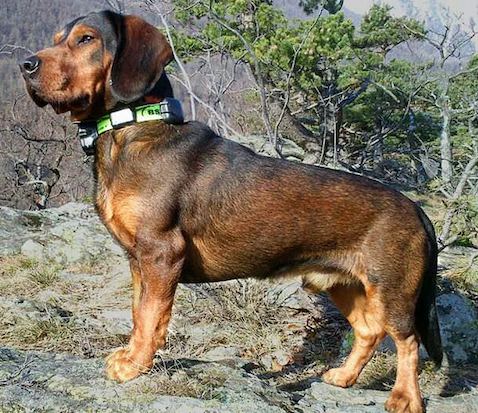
x: 158, y: 104
x: 106, y: 104
x: 160, y: 91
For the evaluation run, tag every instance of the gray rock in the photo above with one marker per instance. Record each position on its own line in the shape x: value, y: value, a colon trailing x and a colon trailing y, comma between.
x: 33, y: 249
x: 322, y: 397
x: 67, y: 235
x: 117, y: 322
x: 260, y: 144
x: 291, y: 150
x: 290, y: 295
x: 31, y: 381
x: 459, y: 327
x: 32, y: 309
x: 63, y: 383
x: 221, y: 353
x: 276, y: 360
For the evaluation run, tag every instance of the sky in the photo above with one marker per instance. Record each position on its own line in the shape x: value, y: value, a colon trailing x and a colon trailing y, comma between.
x: 460, y: 6
x: 467, y: 10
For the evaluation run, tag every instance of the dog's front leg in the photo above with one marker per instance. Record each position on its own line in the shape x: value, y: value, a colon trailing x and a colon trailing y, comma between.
x: 156, y: 270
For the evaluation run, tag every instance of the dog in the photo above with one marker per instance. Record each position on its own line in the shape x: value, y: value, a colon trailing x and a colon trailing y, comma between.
x: 189, y: 206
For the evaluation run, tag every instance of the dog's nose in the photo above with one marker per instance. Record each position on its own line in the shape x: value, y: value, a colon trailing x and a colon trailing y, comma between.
x: 31, y: 64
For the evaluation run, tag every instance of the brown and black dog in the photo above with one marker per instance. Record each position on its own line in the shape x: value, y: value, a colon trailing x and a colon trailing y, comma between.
x: 189, y: 206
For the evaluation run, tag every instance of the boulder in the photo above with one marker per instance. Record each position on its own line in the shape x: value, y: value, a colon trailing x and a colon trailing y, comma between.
x: 459, y: 327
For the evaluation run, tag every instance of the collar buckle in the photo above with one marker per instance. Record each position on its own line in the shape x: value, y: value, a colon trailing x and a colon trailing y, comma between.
x: 88, y: 135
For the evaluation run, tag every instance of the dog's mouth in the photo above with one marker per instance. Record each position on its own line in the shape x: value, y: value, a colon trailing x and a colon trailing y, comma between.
x: 78, y: 103
x: 60, y: 104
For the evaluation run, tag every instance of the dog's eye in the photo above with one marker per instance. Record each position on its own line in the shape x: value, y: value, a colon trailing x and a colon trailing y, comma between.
x: 85, y: 39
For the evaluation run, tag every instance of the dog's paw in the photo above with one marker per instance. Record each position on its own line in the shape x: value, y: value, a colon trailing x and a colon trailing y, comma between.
x: 339, y: 377
x: 401, y: 402
x: 121, y: 366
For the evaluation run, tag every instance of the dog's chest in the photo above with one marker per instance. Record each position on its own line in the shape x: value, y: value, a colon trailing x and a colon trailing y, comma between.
x: 120, y: 212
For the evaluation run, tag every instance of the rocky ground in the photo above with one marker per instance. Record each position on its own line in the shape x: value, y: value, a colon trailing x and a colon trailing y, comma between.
x: 233, y: 347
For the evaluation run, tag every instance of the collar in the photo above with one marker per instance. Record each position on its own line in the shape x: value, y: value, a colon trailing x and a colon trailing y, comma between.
x: 169, y: 110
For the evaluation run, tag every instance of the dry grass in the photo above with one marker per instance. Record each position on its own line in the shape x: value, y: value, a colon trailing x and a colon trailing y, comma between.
x: 96, y: 265
x: 60, y: 316
x: 241, y: 315
x: 59, y: 334
x: 45, y: 275
x: 237, y: 314
x: 464, y: 273
x: 379, y: 372
x: 178, y: 380
x: 22, y: 276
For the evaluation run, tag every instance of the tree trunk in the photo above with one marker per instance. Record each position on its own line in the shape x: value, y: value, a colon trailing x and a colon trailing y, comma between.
x: 332, y: 116
x: 445, y: 141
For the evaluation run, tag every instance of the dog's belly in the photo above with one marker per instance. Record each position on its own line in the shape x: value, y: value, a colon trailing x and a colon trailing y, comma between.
x: 208, y: 260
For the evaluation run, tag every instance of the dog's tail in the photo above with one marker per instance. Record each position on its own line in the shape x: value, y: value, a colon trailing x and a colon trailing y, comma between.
x: 426, y: 319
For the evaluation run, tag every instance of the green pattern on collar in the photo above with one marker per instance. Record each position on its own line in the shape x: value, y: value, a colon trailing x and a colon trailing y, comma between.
x: 145, y: 113
x: 104, y: 124
x: 149, y: 112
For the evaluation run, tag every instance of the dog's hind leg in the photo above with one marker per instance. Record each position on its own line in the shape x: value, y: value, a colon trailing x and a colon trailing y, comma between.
x: 155, y: 277
x: 400, y: 326
x: 358, y: 308
x: 405, y: 396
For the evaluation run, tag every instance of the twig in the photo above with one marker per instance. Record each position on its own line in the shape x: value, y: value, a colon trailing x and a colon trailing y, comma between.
x: 20, y: 370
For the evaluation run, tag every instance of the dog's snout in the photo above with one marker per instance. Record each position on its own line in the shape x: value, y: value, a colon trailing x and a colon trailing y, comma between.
x: 31, y: 65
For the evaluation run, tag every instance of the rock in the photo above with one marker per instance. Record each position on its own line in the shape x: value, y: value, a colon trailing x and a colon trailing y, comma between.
x: 33, y: 249
x: 322, y: 397
x: 33, y: 310
x: 310, y: 159
x: 221, y: 353
x: 76, y: 209
x: 292, y: 151
x: 73, y: 234
x: 117, y: 322
x: 290, y: 295
x: 48, y: 296
x: 335, y: 399
x: 196, y: 334
x: 459, y: 327
x: 64, y: 383
x: 260, y: 144
x: 267, y: 362
x: 276, y: 361
x: 67, y: 235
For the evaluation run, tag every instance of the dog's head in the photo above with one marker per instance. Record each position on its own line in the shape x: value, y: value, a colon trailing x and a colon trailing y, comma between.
x: 96, y: 62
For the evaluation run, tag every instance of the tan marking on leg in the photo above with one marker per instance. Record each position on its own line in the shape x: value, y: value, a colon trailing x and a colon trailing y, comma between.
x: 159, y: 274
x: 368, y: 331
x: 405, y: 396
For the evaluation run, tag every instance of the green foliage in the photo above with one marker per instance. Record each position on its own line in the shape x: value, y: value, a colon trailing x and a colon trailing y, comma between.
x: 332, y: 6
x: 379, y: 30
x: 313, y: 49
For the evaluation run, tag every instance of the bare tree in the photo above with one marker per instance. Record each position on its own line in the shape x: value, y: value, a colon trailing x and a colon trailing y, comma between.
x: 42, y: 161
x: 453, y: 44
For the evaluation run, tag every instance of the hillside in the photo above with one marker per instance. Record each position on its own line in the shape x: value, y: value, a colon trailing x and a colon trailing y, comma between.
x: 234, y: 346
x: 325, y: 91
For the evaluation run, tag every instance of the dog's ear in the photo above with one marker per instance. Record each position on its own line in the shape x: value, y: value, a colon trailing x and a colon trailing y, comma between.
x: 140, y: 58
